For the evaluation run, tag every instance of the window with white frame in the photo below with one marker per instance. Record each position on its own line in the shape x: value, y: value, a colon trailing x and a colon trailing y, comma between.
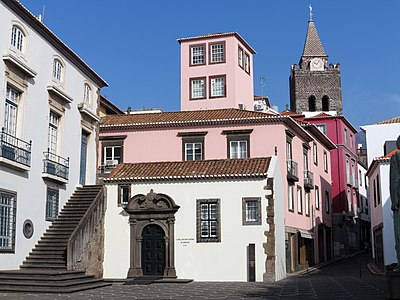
x: 217, y: 87
x: 238, y: 149
x: 8, y: 206
x: 198, y: 88
x: 345, y: 136
x: 316, y: 197
x: 290, y: 198
x: 112, y: 155
x: 240, y: 57
x: 299, y: 200
x: 11, y: 110
x: 325, y: 161
x: 351, y: 141
x: 53, y: 129
x: 58, y: 70
x: 307, y: 203
x: 193, y: 151
x: 217, y: 52
x: 197, y: 55
x: 208, y: 220
x: 315, y: 153
x: 251, y: 211
x: 247, y: 63
x: 321, y: 127
x: 360, y: 177
x: 52, y: 204
x: 349, y: 199
x: 87, y: 93
x: 17, y: 38
x: 124, y: 194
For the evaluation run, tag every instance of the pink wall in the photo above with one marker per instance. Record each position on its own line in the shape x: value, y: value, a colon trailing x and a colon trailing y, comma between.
x: 239, y: 84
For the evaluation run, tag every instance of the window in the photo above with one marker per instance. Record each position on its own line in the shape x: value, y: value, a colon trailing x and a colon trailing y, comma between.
x: 327, y: 202
x: 52, y: 204
x: 197, y: 55
x: 240, y: 57
x: 87, y: 93
x: 345, y: 136
x: 57, y: 70
x: 8, y: 206
x: 360, y: 177
x: 124, y: 194
x: 374, y: 186
x: 251, y: 211
x: 10, y: 119
x: 112, y: 155
x: 325, y: 161
x: 307, y: 203
x: 322, y: 128
x: 217, y: 52
x: 351, y: 142
x: 217, y: 86
x: 17, y: 38
x: 317, y: 197
x: 305, y: 159
x: 349, y: 200
x: 325, y: 103
x: 208, y: 220
x: 299, y: 201
x: 290, y: 198
x: 311, y: 103
x: 53, y: 126
x: 378, y: 189
x: 315, y: 154
x: 238, y: 149
x: 192, y: 145
x: 247, y: 63
x: 197, y: 88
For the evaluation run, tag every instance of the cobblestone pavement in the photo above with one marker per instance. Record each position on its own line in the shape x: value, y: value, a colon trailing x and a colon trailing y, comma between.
x: 345, y: 279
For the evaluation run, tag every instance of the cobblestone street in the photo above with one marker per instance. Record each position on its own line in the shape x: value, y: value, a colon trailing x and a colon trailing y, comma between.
x: 346, y: 279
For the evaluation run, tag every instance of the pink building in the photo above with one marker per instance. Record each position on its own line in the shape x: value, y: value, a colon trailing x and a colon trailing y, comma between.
x: 216, y: 72
x: 344, y: 172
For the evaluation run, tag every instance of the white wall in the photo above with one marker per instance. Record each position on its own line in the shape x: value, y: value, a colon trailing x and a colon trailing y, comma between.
x: 33, y: 125
x: 377, y: 135
x: 223, y: 261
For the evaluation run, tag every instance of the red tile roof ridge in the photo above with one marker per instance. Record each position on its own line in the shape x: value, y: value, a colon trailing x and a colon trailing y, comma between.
x: 388, y: 155
x: 389, y: 121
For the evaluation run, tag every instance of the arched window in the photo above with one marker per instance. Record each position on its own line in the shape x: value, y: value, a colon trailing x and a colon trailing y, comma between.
x: 87, y: 93
x: 57, y: 70
x: 325, y: 103
x: 311, y: 103
x: 17, y: 38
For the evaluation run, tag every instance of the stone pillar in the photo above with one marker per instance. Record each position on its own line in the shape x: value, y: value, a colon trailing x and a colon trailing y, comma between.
x: 135, y: 269
x: 170, y: 266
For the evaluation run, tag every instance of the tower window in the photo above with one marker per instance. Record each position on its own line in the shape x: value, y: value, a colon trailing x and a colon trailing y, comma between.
x: 311, y: 103
x: 325, y: 103
x: 217, y: 52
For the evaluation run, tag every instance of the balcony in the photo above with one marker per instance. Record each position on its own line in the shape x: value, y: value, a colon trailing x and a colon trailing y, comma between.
x: 14, y: 152
x: 308, y: 180
x: 86, y: 108
x: 55, y: 168
x: 292, y: 174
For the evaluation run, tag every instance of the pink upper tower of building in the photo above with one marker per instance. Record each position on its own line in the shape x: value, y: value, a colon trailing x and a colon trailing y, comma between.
x: 216, y: 72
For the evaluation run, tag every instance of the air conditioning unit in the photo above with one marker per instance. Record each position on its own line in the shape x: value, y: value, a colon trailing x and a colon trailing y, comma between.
x: 111, y: 162
x: 242, y: 106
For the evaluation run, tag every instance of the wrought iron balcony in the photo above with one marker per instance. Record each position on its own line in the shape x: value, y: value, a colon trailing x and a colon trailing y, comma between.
x: 308, y: 180
x: 15, y: 150
x: 292, y: 168
x: 55, y: 167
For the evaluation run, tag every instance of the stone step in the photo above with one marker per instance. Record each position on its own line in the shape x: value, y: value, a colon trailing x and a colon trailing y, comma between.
x: 42, y: 266
x: 30, y: 260
x: 54, y: 289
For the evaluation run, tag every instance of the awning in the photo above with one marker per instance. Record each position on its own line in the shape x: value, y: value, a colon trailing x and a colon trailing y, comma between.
x: 305, y: 234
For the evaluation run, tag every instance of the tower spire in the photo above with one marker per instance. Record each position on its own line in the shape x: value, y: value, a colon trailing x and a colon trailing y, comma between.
x: 310, y: 7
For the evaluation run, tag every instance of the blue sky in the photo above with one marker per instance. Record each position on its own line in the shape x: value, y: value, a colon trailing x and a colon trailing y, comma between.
x: 132, y: 45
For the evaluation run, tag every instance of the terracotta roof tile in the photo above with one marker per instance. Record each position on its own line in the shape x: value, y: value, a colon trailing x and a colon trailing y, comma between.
x: 289, y: 113
x: 191, y: 170
x: 389, y: 155
x: 231, y: 115
x: 390, y: 121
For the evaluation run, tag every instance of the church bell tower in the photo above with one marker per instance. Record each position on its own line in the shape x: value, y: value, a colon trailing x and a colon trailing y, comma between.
x: 315, y: 84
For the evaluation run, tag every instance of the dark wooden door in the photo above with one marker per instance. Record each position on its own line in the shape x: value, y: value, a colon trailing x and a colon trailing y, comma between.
x: 153, y: 250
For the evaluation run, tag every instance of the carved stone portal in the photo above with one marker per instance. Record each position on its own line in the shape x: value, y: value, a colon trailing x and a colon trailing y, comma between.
x: 144, y: 210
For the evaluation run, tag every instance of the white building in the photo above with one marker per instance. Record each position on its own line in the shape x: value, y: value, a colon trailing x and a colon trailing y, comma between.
x: 214, y: 220
x: 48, y: 103
x: 381, y: 138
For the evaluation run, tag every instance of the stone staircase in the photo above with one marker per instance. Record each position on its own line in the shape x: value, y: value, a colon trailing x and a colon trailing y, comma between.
x: 45, y: 268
